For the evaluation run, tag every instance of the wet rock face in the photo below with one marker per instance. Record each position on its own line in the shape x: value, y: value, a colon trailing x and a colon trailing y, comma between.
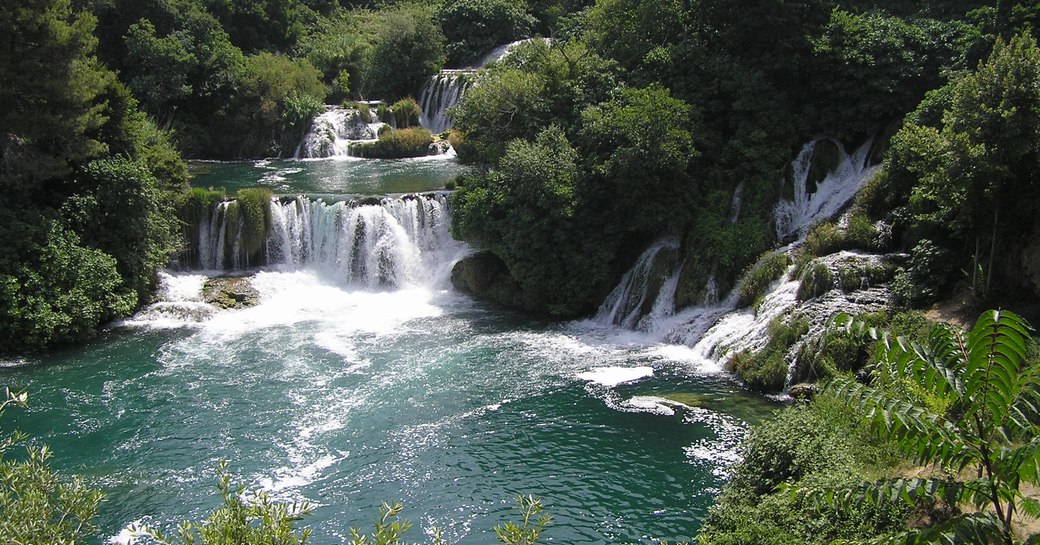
x: 228, y: 292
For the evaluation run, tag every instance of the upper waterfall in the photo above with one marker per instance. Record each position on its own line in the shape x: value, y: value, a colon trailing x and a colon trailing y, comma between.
x: 396, y: 242
x: 446, y: 88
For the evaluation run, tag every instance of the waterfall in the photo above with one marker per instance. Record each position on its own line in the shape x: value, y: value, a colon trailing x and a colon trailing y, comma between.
x: 830, y: 195
x: 647, y: 291
x: 644, y: 299
x: 442, y: 91
x: 400, y: 241
x: 333, y: 131
x: 446, y: 88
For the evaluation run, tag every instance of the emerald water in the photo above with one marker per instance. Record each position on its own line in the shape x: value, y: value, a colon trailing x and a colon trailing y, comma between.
x: 342, y: 175
x: 347, y: 396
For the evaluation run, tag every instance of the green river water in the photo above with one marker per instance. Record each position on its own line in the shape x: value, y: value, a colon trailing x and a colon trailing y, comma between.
x: 346, y: 398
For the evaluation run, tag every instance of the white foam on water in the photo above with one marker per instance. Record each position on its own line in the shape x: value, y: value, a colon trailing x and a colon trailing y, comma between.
x: 614, y: 376
x: 651, y: 404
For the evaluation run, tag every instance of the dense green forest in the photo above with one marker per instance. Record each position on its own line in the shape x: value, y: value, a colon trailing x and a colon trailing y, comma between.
x: 637, y: 119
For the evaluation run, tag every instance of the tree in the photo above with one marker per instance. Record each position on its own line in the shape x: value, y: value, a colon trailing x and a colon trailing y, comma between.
x: 408, y: 50
x: 49, y: 83
x: 965, y: 402
x: 474, y: 27
x: 972, y: 180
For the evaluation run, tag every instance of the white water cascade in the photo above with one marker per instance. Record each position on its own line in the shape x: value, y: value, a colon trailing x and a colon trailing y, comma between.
x: 832, y: 194
x: 645, y: 297
x: 444, y: 90
x: 400, y: 241
x: 333, y: 131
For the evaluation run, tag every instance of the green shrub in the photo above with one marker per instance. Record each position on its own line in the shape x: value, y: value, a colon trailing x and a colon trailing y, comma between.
x: 827, y: 238
x: 35, y: 505
x: 397, y: 144
x: 384, y: 114
x: 406, y: 113
x: 815, y: 281
x: 757, y: 279
x: 473, y: 27
x: 365, y: 112
x: 924, y: 278
x: 254, y: 205
x: 853, y: 278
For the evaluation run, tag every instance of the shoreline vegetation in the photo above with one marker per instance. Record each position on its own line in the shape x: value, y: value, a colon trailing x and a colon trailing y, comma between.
x: 636, y: 121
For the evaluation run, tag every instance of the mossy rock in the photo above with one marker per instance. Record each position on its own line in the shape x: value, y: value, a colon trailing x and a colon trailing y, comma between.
x: 227, y: 292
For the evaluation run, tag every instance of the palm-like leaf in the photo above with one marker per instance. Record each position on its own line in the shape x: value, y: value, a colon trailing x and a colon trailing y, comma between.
x: 989, y: 399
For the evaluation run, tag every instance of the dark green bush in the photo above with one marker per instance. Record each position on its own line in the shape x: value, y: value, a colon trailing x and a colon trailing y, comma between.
x: 924, y: 278
x: 758, y: 278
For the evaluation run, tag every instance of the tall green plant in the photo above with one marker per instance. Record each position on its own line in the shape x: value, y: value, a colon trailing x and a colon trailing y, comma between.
x: 965, y: 402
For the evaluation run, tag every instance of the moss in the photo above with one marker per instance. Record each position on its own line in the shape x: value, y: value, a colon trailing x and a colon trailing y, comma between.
x: 815, y: 281
x: 383, y: 114
x: 862, y: 276
x: 194, y: 207
x: 757, y: 279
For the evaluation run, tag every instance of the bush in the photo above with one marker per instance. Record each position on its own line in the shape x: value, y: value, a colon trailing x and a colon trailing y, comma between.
x: 35, y: 506
x: 60, y: 292
x: 815, y: 281
x: 254, y: 205
x: 406, y: 113
x: 396, y: 144
x: 758, y: 278
x: 865, y: 275
x: 928, y: 273
x: 365, y: 112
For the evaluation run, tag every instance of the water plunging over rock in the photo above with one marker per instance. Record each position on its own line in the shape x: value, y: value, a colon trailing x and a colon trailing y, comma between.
x: 824, y: 179
x: 444, y: 90
x: 378, y: 242
x: 333, y: 131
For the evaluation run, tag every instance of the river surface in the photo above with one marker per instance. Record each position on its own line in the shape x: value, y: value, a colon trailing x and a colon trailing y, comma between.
x: 346, y: 397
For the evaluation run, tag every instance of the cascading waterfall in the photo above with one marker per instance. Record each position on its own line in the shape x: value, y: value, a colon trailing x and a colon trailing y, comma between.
x: 794, y: 217
x: 444, y: 90
x: 644, y: 291
x: 400, y: 241
x: 715, y: 330
x: 333, y: 131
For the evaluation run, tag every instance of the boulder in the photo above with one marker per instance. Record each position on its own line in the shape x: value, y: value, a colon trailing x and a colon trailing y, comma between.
x: 228, y: 292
